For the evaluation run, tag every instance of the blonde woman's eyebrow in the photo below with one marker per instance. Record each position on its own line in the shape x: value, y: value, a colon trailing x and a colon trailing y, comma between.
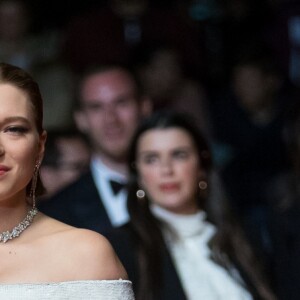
x: 15, y: 119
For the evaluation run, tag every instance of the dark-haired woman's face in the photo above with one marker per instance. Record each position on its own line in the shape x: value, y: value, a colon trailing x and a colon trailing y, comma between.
x: 169, y: 169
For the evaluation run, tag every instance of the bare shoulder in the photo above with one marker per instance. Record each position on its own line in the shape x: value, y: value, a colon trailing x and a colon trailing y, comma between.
x: 82, y: 254
x: 96, y: 255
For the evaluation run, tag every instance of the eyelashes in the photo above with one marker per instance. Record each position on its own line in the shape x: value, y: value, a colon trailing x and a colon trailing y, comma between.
x: 16, y: 130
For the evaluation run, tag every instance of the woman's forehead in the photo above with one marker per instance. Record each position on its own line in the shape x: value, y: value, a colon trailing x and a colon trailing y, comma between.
x: 14, y: 102
x: 161, y: 138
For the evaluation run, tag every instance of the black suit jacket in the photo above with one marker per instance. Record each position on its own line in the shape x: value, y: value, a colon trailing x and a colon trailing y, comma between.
x: 123, y: 243
x: 79, y: 205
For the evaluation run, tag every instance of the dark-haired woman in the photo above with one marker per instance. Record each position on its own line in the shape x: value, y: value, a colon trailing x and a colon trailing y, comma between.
x: 179, y: 244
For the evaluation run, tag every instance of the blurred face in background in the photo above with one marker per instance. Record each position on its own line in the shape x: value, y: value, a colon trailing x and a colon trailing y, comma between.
x: 110, y: 113
x: 164, y: 64
x: 73, y: 161
x: 129, y: 8
x: 14, y: 22
x: 169, y: 169
x: 254, y: 88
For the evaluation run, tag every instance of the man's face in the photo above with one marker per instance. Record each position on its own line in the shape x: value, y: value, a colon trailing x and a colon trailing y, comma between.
x: 110, y: 112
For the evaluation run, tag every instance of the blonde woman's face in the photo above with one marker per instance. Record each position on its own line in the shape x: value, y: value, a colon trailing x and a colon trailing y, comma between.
x: 20, y: 144
x: 169, y: 169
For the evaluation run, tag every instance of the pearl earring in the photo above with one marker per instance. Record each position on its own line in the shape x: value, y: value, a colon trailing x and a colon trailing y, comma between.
x: 203, y: 185
x: 140, y: 194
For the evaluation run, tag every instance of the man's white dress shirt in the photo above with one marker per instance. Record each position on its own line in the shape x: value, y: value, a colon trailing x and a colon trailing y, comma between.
x: 115, y: 205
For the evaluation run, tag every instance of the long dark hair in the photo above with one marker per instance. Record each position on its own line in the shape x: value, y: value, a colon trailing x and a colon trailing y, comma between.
x: 228, y: 246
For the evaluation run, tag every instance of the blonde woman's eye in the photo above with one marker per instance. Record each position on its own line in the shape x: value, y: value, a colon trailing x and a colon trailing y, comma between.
x: 16, y: 129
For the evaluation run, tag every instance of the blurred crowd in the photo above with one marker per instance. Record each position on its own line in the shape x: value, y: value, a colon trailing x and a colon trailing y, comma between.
x: 233, y: 66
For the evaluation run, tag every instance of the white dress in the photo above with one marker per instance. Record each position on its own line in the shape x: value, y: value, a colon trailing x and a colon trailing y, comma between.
x: 69, y: 290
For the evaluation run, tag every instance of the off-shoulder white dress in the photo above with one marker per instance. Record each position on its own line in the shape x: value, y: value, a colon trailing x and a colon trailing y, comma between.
x: 69, y: 290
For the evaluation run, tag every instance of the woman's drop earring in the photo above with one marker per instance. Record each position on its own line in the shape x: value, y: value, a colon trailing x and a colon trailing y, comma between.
x: 34, y: 183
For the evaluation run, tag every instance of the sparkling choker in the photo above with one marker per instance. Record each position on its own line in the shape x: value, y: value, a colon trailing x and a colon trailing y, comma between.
x: 9, y: 235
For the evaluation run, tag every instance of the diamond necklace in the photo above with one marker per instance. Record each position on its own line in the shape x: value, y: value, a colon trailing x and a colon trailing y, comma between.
x: 9, y: 235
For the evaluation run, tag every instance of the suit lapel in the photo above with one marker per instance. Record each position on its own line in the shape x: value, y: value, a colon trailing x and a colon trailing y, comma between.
x: 89, y: 208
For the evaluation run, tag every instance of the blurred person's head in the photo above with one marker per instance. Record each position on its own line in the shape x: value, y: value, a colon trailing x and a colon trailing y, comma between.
x: 256, y: 82
x: 155, y: 62
x: 170, y: 161
x: 66, y: 157
x: 129, y: 8
x: 110, y: 106
x: 14, y: 19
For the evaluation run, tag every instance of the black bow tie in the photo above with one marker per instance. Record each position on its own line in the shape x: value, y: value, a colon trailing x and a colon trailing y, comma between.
x: 116, y: 186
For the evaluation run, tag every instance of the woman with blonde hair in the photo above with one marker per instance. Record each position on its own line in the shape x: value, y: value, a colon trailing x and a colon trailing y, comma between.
x: 42, y: 258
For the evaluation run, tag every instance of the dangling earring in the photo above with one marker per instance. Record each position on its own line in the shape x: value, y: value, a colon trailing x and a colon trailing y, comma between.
x: 140, y: 194
x: 34, y: 183
x: 203, y: 185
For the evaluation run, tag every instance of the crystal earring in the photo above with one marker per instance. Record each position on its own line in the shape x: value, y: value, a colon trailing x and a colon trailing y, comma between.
x: 203, y: 185
x: 140, y: 194
x: 34, y: 183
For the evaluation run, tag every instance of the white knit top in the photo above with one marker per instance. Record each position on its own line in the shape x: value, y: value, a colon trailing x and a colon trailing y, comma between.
x: 201, y: 277
x: 69, y: 290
